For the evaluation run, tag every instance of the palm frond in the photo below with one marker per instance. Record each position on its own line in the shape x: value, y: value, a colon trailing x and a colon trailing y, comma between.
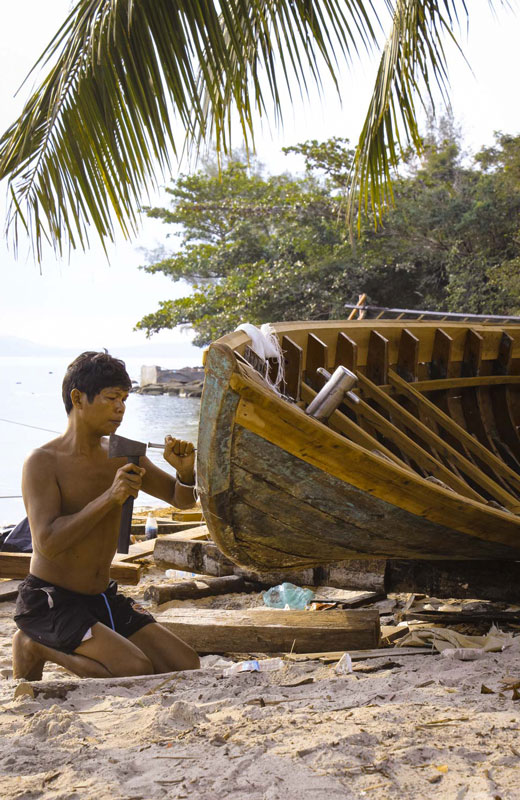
x: 412, y: 63
x: 128, y: 80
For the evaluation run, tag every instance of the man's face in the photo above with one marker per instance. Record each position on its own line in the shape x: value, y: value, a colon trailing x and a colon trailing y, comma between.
x: 107, y: 409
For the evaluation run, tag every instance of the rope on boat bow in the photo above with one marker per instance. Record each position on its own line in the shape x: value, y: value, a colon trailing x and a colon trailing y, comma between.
x: 265, y: 344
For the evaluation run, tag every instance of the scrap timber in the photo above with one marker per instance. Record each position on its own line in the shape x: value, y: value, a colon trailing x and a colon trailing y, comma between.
x: 16, y: 565
x: 420, y: 461
x: 273, y: 631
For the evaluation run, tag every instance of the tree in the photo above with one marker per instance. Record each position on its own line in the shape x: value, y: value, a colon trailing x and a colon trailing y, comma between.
x: 123, y: 73
x: 265, y: 249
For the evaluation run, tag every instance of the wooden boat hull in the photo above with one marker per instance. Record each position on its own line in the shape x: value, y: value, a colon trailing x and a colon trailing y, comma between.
x: 281, y: 490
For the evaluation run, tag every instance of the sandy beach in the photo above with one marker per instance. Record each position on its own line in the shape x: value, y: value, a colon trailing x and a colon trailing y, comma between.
x: 395, y: 727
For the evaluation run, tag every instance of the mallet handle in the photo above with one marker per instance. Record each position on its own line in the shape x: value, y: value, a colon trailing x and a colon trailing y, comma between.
x: 125, y: 526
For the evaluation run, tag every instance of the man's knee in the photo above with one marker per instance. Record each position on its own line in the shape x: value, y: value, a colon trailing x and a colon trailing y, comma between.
x: 134, y: 664
x: 193, y: 660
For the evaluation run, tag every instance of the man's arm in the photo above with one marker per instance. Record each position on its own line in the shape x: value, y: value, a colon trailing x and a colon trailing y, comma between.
x: 179, y: 492
x: 52, y: 532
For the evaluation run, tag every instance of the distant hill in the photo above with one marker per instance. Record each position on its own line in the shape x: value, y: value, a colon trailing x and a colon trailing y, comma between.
x: 14, y: 346
x: 151, y: 351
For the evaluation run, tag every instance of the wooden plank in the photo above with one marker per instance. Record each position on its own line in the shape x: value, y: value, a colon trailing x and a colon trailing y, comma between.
x: 441, y: 354
x: 273, y: 631
x: 189, y: 515
x: 346, y: 352
x: 358, y: 600
x: 16, y: 565
x: 362, y: 655
x: 9, y: 590
x: 136, y: 550
x: 317, y: 356
x: 408, y: 356
x: 377, y: 358
x: 293, y: 358
x: 445, y: 618
x: 452, y: 427
x: 468, y: 468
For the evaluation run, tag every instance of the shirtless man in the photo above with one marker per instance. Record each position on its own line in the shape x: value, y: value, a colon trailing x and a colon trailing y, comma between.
x: 68, y: 611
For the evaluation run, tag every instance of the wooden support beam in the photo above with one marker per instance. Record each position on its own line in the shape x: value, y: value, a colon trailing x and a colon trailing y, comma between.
x: 443, y: 384
x: 452, y: 427
x: 16, y: 565
x: 204, y: 558
x: 341, y: 423
x: 484, y: 580
x: 200, y: 557
x: 487, y: 580
x: 499, y: 494
x: 407, y: 445
x: 273, y: 631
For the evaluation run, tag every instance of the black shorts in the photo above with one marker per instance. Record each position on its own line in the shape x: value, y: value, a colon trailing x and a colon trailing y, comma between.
x: 60, y: 619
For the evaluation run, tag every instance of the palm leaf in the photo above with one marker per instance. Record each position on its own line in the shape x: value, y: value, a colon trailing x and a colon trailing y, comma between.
x: 128, y: 80
x: 413, y: 60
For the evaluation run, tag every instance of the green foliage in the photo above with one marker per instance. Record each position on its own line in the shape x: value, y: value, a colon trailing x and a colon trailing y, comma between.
x: 261, y: 248
x: 123, y: 77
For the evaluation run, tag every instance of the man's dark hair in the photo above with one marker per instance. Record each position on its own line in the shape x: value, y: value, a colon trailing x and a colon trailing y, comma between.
x: 91, y: 372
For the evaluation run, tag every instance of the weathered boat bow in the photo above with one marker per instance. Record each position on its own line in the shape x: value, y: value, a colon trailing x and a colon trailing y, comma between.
x: 422, y: 463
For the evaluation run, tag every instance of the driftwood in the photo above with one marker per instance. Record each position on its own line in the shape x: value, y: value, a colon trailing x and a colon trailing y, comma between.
x: 199, y: 587
x: 273, y: 631
x: 16, y: 565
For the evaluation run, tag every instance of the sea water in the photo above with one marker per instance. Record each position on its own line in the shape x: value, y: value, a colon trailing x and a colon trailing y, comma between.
x: 30, y: 399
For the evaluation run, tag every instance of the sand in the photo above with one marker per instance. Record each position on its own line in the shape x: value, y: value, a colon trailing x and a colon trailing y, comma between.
x: 421, y: 726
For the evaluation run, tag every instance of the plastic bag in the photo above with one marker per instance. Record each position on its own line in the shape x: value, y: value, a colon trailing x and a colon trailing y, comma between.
x: 287, y: 595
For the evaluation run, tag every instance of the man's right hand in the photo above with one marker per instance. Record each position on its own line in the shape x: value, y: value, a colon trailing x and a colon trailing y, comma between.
x: 126, y: 483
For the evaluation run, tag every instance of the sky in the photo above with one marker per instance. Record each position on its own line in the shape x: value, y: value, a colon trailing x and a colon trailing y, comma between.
x: 89, y: 303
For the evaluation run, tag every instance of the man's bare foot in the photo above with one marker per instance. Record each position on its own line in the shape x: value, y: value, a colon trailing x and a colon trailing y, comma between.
x: 27, y: 660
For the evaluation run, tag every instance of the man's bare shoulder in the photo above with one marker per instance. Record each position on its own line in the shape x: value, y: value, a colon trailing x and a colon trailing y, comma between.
x: 44, y: 455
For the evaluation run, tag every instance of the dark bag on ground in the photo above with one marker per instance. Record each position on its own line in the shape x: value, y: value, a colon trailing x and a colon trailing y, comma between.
x: 18, y: 540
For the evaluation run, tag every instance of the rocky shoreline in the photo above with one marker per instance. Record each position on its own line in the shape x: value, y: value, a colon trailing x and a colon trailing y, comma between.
x: 185, y: 382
